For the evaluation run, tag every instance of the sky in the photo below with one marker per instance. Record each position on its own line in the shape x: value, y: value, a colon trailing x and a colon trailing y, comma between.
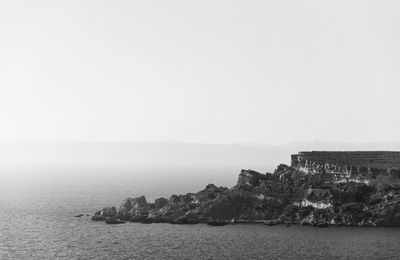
x: 200, y: 71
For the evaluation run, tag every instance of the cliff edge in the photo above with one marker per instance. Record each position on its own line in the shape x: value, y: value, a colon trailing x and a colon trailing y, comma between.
x: 319, y: 188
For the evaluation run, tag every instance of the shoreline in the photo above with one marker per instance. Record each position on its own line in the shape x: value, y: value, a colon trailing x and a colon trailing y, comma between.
x: 308, y: 193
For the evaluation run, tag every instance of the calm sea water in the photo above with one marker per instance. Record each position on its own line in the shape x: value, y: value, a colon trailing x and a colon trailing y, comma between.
x: 36, y: 222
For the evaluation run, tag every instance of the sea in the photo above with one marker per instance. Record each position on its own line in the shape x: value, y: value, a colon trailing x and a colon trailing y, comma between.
x: 37, y: 209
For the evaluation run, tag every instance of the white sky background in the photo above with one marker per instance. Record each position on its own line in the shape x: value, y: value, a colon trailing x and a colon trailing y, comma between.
x: 200, y: 71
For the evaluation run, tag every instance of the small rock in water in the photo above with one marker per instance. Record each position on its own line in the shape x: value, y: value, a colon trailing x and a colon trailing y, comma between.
x: 98, y: 218
x: 78, y: 215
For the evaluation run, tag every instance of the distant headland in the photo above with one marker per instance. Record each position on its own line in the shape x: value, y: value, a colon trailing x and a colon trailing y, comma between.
x: 319, y: 188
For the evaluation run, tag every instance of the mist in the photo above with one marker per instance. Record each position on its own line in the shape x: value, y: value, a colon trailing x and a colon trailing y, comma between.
x: 134, y: 168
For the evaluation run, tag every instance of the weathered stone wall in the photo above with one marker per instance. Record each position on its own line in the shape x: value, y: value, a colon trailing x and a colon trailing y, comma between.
x: 359, y: 165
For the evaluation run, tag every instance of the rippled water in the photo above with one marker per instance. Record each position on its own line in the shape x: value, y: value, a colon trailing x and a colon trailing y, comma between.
x: 39, y: 224
x: 35, y: 237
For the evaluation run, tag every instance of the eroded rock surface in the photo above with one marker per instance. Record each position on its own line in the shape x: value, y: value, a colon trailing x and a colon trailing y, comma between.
x: 109, y: 212
x: 306, y: 192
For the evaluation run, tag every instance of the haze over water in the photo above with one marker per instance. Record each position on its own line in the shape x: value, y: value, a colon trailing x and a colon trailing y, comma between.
x: 37, y: 222
x: 78, y: 75
x: 39, y: 201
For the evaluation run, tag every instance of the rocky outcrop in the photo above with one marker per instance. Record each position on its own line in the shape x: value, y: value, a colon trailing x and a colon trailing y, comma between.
x: 307, y: 192
x: 366, y: 164
x: 248, y: 179
x: 109, y: 212
x: 160, y: 202
x: 98, y: 218
x: 113, y: 221
x: 134, y: 209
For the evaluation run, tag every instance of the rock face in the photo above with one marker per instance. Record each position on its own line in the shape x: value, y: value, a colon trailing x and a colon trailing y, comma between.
x: 367, y: 164
x: 160, y: 202
x: 109, y: 212
x: 113, y: 221
x: 249, y: 179
x: 319, y: 189
x: 98, y: 218
x: 133, y: 209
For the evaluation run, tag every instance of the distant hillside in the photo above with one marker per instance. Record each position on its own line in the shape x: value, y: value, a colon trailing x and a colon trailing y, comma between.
x: 255, y: 156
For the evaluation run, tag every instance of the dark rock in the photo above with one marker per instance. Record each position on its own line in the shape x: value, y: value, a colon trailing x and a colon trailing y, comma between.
x: 136, y: 207
x: 315, y: 190
x: 137, y: 218
x: 211, y: 188
x: 147, y: 221
x: 217, y: 223
x: 78, y: 215
x: 188, y: 218
x: 98, y: 218
x: 322, y: 225
x: 249, y: 179
x: 160, y: 202
x: 273, y: 222
x: 109, y: 212
x: 174, y: 199
x: 114, y: 221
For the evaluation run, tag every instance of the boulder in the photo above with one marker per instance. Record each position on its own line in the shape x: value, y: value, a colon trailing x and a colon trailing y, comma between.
x: 173, y: 199
x: 160, y: 202
x: 114, y: 221
x: 136, y: 207
x: 98, y: 218
x: 109, y: 212
x: 249, y: 179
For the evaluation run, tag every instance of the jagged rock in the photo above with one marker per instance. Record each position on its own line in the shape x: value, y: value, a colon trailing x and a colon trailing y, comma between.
x: 133, y: 208
x: 282, y: 168
x: 211, y: 188
x: 174, y: 199
x: 156, y: 217
x: 98, y: 218
x: 160, y: 202
x: 309, y: 192
x: 190, y: 219
x: 114, y: 221
x: 109, y: 212
x: 249, y: 179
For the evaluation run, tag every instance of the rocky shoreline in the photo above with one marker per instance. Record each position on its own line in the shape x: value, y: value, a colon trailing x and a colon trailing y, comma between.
x: 286, y: 196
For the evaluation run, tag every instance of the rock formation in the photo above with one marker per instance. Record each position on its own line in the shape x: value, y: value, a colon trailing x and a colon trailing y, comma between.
x: 319, y: 188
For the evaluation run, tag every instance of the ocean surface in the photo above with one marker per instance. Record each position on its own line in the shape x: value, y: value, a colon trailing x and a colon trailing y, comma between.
x: 37, y: 222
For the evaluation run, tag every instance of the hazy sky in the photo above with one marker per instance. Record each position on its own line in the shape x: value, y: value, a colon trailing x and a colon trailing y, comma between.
x: 200, y: 71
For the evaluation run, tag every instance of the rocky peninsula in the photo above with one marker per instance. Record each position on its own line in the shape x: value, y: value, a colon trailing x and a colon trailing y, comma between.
x: 318, y: 188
